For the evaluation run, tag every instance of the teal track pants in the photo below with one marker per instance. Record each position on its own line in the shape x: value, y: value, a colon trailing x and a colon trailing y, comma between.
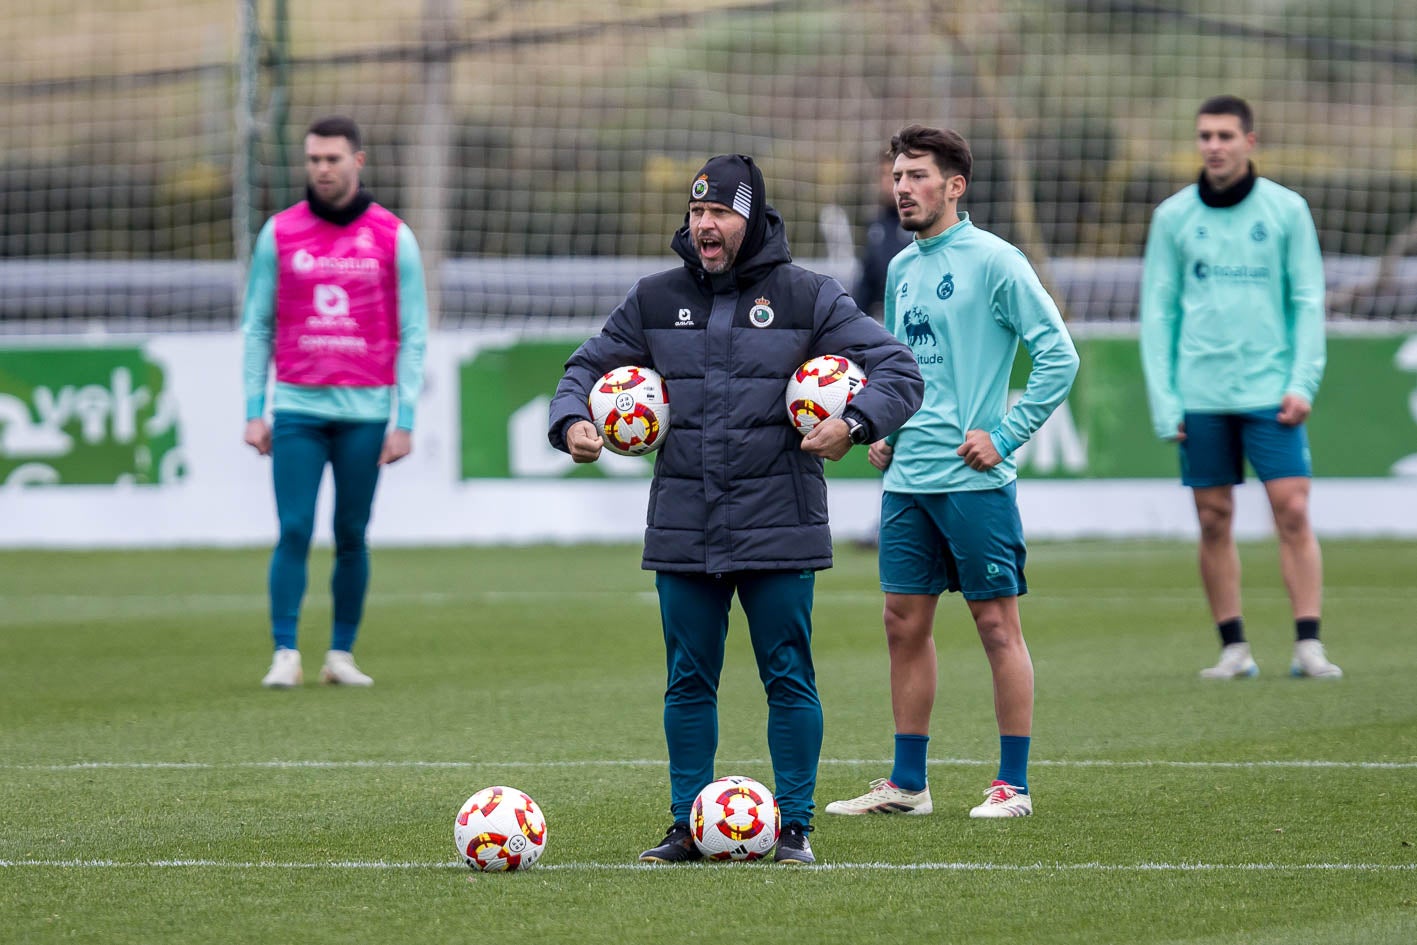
x: 694, y: 610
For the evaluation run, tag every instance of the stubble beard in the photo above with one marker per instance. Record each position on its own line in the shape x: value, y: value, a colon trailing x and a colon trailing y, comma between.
x: 917, y: 225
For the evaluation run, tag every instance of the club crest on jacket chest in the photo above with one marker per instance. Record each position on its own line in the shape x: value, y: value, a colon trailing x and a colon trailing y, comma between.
x: 761, y: 314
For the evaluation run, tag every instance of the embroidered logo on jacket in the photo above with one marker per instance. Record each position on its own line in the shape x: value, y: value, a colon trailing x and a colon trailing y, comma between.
x: 685, y: 319
x: 1258, y: 233
x: 946, y: 288
x: 761, y: 314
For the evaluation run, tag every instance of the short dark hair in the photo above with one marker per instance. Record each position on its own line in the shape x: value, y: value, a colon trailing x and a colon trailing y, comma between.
x: 1229, y: 105
x: 336, y: 126
x: 950, y: 150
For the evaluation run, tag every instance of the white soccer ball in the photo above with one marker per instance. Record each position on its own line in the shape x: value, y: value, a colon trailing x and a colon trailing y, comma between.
x: 820, y: 389
x: 630, y: 408
x: 735, y: 818
x: 500, y: 829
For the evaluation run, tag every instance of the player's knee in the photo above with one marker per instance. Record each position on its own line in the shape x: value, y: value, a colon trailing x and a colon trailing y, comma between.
x: 1291, y: 517
x: 997, y: 635
x: 904, y: 629
x: 997, y: 629
x: 1214, y: 519
x: 295, y: 534
x: 350, y: 541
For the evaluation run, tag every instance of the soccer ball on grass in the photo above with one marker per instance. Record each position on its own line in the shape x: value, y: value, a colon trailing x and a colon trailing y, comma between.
x: 500, y: 829
x: 735, y: 818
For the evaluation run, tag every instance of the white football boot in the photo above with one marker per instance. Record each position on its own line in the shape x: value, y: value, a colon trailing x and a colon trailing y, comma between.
x: 1235, y: 663
x: 285, y: 671
x: 339, y: 669
x: 1311, y: 661
x: 885, y: 798
x: 1003, y: 800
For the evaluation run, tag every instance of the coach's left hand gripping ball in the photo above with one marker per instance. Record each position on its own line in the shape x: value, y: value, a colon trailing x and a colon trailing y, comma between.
x: 630, y: 408
x: 820, y: 390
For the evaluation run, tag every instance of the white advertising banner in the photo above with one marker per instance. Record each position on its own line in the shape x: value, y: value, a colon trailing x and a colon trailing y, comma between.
x: 137, y: 443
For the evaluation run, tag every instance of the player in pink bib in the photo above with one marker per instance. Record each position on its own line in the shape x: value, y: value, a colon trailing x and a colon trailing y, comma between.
x: 336, y: 298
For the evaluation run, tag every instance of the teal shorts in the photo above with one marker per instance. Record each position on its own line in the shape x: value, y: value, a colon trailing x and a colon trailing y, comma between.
x: 1217, y: 445
x: 971, y: 542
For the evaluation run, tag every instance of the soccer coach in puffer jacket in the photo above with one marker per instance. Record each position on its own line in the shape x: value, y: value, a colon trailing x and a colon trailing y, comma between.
x: 739, y: 500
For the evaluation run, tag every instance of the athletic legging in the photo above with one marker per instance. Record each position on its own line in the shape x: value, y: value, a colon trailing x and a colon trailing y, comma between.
x: 301, y: 445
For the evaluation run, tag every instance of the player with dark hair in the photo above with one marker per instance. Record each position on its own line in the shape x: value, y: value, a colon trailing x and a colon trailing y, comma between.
x: 335, y: 297
x: 1232, y: 340
x: 962, y: 299
x: 738, y: 504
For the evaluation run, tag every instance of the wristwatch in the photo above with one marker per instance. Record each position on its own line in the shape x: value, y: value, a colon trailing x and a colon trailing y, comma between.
x: 856, y: 429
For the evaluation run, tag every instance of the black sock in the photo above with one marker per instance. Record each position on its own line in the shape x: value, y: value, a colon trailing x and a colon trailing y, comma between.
x: 1306, y: 628
x: 1231, y: 631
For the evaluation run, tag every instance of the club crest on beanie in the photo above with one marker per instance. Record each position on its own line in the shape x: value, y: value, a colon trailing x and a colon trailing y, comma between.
x: 725, y: 179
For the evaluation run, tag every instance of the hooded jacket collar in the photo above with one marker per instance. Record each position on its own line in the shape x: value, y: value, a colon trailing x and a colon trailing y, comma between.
x: 753, y: 262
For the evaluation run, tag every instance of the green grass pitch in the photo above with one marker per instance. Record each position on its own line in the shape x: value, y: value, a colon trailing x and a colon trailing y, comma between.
x: 151, y: 791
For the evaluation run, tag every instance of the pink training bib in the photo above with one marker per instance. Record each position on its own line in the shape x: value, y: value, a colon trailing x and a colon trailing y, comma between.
x: 337, y: 300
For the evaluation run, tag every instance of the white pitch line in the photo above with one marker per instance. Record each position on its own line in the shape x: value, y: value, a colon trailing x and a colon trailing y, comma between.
x: 659, y: 763
x: 958, y: 867
x: 18, y: 609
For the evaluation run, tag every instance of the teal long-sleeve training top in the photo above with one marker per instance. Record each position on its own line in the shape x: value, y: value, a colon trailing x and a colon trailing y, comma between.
x: 963, y: 300
x: 1232, y: 305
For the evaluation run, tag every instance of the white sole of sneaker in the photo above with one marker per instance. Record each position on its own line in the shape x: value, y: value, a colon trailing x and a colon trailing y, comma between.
x: 898, y: 809
x: 1247, y: 674
x: 974, y: 816
x: 330, y: 679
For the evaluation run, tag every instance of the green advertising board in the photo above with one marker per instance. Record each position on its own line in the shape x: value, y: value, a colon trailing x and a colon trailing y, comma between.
x: 1364, y: 423
x: 85, y: 416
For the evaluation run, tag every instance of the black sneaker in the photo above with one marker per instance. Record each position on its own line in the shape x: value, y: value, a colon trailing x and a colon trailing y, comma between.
x: 676, y: 847
x: 793, y: 846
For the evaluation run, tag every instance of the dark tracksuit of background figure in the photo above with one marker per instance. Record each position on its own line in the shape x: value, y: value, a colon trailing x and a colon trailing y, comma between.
x: 736, y: 504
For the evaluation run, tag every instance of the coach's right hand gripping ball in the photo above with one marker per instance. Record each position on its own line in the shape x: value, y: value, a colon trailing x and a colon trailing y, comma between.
x: 820, y: 390
x: 630, y: 408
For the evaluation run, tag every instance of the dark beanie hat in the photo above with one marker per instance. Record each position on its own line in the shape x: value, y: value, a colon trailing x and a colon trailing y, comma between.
x: 727, y: 179
x: 735, y: 181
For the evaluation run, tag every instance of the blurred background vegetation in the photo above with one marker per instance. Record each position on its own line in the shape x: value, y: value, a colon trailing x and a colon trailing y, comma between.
x: 571, y: 127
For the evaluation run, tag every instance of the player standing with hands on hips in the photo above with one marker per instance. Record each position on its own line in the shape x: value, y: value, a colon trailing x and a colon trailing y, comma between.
x: 738, y: 504
x: 336, y: 296
x: 1232, y: 341
x: 962, y: 299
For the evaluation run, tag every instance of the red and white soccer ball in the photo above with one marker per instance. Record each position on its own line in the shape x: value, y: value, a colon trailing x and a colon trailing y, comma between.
x: 500, y: 829
x: 630, y: 408
x: 735, y: 818
x: 820, y: 389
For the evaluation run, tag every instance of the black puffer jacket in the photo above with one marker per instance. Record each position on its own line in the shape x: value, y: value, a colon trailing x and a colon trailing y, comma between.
x: 733, y: 490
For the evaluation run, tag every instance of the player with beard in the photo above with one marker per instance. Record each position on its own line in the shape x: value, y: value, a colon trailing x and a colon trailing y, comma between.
x: 738, y: 503
x: 963, y: 299
x: 335, y: 296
